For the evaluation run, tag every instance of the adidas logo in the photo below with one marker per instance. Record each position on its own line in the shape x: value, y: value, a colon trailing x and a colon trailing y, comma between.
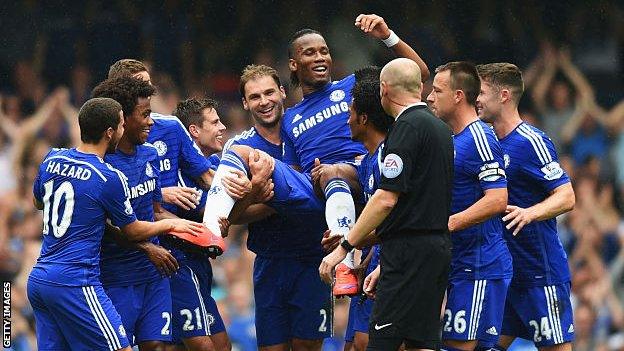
x: 492, y: 331
x: 571, y: 329
x: 297, y: 117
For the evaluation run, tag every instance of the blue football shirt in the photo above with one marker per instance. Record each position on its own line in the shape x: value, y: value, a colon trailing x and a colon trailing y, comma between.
x: 533, y: 172
x: 479, y: 252
x: 79, y: 191
x: 289, y: 233
x: 317, y: 127
x: 176, y: 150
x: 122, y: 266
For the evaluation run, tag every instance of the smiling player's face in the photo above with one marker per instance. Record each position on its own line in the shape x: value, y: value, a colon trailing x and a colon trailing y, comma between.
x: 312, y: 60
x: 265, y: 100
x: 139, y: 123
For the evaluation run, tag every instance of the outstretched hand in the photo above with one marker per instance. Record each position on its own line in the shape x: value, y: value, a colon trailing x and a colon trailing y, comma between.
x: 373, y: 25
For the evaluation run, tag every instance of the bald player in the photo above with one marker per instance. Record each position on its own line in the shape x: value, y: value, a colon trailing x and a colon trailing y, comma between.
x: 409, y: 214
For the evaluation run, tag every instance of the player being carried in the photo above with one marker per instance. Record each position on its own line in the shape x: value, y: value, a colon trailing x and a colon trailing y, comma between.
x: 77, y: 191
x: 538, y: 305
x: 315, y: 130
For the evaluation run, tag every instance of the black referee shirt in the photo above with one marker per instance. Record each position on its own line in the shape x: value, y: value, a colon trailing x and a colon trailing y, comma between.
x: 418, y: 163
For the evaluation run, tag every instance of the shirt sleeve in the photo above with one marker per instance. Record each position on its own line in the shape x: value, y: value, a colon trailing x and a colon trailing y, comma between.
x: 157, y: 194
x: 289, y: 154
x: 116, y: 201
x: 37, y: 186
x: 486, y: 164
x: 542, y: 163
x: 192, y: 161
x: 397, y: 166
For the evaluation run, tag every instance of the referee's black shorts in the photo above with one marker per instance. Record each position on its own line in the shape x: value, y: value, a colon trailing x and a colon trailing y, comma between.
x: 414, y: 277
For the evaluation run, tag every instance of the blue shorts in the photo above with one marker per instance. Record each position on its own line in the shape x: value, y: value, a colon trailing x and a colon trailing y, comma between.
x: 145, y: 310
x: 291, y: 301
x: 293, y: 191
x: 542, y: 314
x: 75, y: 318
x: 359, y: 316
x: 194, y: 310
x: 474, y: 309
x: 350, y: 332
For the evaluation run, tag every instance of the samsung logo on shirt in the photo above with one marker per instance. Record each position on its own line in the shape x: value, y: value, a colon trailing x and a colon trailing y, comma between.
x: 143, y: 188
x: 310, y: 122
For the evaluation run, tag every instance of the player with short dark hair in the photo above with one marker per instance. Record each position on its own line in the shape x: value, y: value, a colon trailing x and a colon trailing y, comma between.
x: 176, y: 149
x: 77, y: 191
x: 142, y: 296
x: 538, y: 305
x: 369, y: 125
x: 178, y: 153
x: 197, y: 323
x: 314, y: 131
x: 481, y: 264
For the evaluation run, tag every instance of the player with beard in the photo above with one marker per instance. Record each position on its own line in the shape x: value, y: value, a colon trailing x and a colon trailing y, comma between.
x: 315, y: 131
x: 293, y: 305
x: 538, y: 305
x: 76, y: 186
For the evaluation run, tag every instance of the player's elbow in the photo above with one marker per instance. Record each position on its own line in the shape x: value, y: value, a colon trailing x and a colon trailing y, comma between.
x: 424, y: 73
x: 387, y: 200
x: 569, y: 199
x: 501, y: 202
x: 497, y: 200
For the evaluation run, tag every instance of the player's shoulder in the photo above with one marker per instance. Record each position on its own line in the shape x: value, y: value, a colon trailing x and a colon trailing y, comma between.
x: 53, y: 152
x: 346, y: 81
x: 165, y: 122
x: 530, y: 141
x: 148, y: 149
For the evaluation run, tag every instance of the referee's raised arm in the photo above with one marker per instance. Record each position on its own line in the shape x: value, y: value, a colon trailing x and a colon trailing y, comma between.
x: 410, y: 212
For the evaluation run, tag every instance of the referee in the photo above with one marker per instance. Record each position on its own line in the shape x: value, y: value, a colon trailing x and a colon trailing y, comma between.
x: 410, y: 211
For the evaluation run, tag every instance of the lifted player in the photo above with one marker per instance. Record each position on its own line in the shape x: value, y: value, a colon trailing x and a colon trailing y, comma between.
x: 316, y: 128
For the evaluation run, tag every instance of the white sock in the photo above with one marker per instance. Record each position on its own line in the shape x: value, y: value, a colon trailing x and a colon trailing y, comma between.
x: 340, y: 212
x: 218, y: 202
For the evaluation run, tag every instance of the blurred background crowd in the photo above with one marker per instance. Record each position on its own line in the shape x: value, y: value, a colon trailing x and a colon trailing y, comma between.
x: 572, y: 54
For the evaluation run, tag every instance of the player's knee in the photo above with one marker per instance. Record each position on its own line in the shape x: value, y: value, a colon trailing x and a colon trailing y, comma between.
x: 459, y: 345
x: 360, y: 342
x: 242, y: 151
x: 559, y: 347
x: 152, y: 346
x: 330, y: 172
x: 221, y: 343
x: 199, y: 343
x: 307, y: 345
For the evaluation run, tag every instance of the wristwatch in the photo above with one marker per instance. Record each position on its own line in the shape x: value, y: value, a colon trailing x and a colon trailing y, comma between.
x: 345, y: 244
